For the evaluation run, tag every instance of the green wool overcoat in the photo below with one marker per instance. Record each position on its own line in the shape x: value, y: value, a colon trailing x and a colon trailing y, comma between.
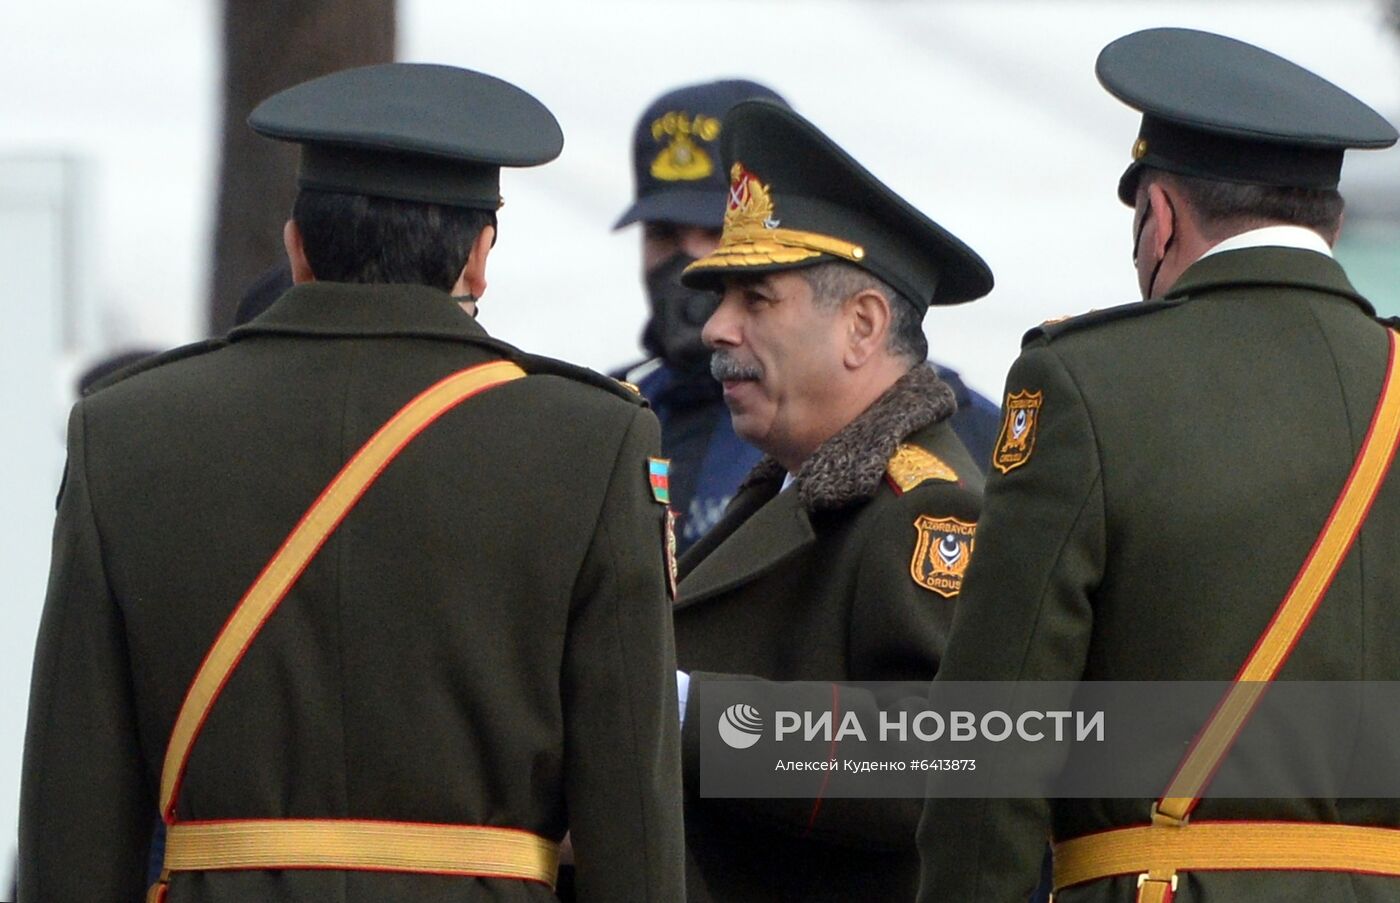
x: 817, y: 583
x: 1188, y: 452
x: 485, y: 640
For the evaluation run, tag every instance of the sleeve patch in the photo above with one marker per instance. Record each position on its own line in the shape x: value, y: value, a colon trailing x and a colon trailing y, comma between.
x: 942, y: 553
x: 659, y: 476
x: 1019, y: 424
x: 912, y: 465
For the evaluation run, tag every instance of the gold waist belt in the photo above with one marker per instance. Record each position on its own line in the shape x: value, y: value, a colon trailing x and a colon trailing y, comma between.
x: 1228, y: 846
x: 355, y: 845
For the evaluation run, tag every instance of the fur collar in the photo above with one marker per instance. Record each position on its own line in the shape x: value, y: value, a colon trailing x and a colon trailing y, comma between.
x: 847, y: 468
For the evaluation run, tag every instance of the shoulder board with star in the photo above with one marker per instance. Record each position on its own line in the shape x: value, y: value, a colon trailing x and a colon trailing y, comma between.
x: 194, y: 349
x: 1053, y: 329
x: 912, y: 466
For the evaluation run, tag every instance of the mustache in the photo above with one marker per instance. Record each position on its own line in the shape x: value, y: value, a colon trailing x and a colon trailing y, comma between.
x: 724, y: 367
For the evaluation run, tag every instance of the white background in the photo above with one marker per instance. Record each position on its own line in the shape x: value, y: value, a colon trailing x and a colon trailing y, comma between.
x: 986, y: 115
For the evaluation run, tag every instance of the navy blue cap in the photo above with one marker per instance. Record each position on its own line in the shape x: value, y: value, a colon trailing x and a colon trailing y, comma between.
x: 676, y: 157
x: 1217, y: 108
x: 411, y: 131
x: 797, y: 199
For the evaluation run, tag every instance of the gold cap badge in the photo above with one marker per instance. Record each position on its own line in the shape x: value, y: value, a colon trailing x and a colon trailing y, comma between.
x: 753, y: 235
x: 682, y: 160
x: 750, y: 204
x: 1139, y: 148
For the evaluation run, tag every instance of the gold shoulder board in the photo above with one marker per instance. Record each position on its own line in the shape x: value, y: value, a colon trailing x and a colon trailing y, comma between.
x: 911, y: 466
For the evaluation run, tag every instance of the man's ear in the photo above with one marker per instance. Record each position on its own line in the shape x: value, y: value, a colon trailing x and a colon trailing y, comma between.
x: 1164, y: 224
x: 472, y: 280
x: 296, y: 253
x: 868, y: 321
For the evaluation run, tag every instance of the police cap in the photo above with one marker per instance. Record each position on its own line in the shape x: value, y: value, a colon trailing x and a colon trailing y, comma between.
x: 675, y: 154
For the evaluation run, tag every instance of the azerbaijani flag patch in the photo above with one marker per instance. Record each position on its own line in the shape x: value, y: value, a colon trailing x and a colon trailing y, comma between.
x: 659, y: 473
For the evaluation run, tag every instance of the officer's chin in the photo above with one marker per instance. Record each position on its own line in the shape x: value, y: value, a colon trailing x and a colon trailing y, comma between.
x: 747, y: 411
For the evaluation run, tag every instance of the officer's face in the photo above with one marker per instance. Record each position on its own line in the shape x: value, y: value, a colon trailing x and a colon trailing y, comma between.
x: 677, y: 312
x: 779, y: 358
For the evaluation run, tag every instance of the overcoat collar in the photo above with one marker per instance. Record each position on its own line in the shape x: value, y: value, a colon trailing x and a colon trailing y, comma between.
x: 764, y: 526
x: 344, y: 309
x: 848, y: 467
x: 1267, y: 266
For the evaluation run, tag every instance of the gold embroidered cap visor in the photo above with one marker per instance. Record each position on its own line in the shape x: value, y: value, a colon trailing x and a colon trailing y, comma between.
x: 1217, y: 108
x: 411, y: 131
x: 797, y: 199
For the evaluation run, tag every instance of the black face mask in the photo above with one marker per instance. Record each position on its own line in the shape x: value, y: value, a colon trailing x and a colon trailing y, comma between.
x: 677, y: 316
x: 1137, y: 241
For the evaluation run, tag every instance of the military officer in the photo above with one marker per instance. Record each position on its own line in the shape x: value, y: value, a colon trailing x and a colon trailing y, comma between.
x: 679, y: 201
x: 1164, y: 469
x: 842, y: 554
x: 367, y: 604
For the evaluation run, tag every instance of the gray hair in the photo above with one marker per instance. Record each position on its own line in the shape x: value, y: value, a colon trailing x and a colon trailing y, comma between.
x: 834, y: 281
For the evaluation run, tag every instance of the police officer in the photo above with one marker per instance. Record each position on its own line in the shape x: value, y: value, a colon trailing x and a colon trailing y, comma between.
x: 842, y: 554
x: 680, y: 191
x: 367, y: 604
x: 1164, y: 469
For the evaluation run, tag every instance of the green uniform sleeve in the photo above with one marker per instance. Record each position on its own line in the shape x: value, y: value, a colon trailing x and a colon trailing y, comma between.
x: 86, y: 807
x: 1025, y: 614
x: 622, y: 737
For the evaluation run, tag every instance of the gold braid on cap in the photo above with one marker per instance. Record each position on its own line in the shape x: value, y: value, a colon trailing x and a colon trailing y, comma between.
x: 752, y: 236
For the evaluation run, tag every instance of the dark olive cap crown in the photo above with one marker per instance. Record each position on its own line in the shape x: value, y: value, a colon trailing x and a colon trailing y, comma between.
x: 1217, y: 108
x: 797, y: 199
x: 411, y: 131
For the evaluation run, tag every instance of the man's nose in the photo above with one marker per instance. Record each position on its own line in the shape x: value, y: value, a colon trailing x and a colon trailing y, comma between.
x: 721, y: 330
